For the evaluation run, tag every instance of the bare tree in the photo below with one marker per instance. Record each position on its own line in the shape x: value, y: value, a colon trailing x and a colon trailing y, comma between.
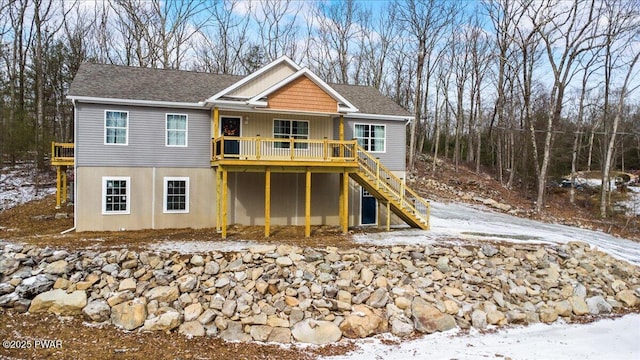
x: 278, y: 30
x: 567, y: 32
x: 622, y: 34
x: 426, y: 21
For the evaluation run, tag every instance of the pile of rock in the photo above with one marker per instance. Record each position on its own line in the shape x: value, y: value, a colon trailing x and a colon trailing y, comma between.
x: 284, y: 293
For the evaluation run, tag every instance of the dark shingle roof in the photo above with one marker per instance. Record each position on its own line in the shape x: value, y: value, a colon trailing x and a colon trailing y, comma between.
x: 135, y: 83
x: 369, y: 100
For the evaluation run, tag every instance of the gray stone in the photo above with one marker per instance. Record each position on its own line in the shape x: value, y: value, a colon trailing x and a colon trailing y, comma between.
x: 196, y: 260
x: 192, y: 312
x: 191, y: 329
x: 401, y: 327
x: 488, y: 250
x: 59, y: 302
x: 56, y: 268
x: 129, y: 315
x: 97, y: 310
x: 211, y: 268
x: 187, y: 283
x: 233, y: 332
x: 33, y: 286
x: 260, y: 332
x: 443, y: 264
x: 111, y: 268
x: 163, y: 293
x: 284, y: 261
x: 428, y: 319
x: 6, y: 288
x: 8, y: 265
x: 378, y: 298
x: 206, y: 317
x: 366, y: 276
x: 598, y: 305
x: 166, y: 319
x: 479, y: 319
x: 280, y: 335
x: 229, y: 308
x: 316, y: 332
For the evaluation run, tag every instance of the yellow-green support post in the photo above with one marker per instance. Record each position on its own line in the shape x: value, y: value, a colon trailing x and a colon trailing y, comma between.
x: 58, y: 187
x: 64, y: 184
x: 218, y: 198
x: 225, y: 197
x: 267, y: 202
x: 216, y: 122
x: 345, y: 202
x: 307, y: 205
x: 388, y: 216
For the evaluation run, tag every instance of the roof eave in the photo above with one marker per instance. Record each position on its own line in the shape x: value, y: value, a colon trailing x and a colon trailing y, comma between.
x: 139, y: 102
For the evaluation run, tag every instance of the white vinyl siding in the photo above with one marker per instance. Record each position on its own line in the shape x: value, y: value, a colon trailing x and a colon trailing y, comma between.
x: 116, y: 127
x: 176, y: 195
x: 176, y: 130
x: 116, y: 197
x: 370, y: 136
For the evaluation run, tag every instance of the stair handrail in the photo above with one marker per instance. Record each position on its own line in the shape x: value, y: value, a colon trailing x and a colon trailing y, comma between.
x: 383, y: 176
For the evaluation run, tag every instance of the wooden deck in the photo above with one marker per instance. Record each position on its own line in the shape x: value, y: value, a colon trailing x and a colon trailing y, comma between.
x: 62, y: 154
x: 301, y: 153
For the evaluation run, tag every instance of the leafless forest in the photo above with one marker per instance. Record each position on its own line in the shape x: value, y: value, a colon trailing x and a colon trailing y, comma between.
x: 527, y: 90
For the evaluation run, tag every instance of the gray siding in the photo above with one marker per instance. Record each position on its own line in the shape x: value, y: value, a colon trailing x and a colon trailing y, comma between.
x: 394, y: 157
x: 146, y: 146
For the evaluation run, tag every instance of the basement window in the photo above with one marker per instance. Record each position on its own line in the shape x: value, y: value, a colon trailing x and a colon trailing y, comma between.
x: 176, y: 195
x: 115, y: 195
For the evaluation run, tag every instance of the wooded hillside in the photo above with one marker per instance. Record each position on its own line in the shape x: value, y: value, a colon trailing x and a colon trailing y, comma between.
x: 531, y: 91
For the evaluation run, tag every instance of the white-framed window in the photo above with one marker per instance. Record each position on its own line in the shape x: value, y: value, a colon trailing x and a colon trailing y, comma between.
x: 176, y: 195
x: 176, y: 127
x: 285, y: 129
x: 371, y: 137
x: 116, y: 127
x: 116, y: 198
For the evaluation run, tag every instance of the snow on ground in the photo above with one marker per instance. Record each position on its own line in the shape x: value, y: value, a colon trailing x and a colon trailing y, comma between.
x: 195, y: 247
x: 603, y: 339
x: 467, y: 223
x: 17, y: 186
x: 632, y: 205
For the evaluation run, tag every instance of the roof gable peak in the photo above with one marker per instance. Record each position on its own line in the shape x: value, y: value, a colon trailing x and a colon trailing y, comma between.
x: 282, y: 60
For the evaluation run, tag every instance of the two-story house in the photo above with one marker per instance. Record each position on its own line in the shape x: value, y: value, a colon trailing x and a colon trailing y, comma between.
x: 160, y: 148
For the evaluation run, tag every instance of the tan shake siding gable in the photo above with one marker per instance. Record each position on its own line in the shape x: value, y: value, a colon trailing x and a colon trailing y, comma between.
x: 302, y: 94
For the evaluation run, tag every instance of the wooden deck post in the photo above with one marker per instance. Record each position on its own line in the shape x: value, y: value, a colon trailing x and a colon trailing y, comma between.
x: 225, y: 197
x: 388, y: 216
x: 307, y: 204
x: 64, y: 184
x: 267, y: 202
x: 341, y: 135
x: 216, y: 122
x: 340, y: 201
x: 57, y: 187
x: 218, y: 199
x: 345, y: 202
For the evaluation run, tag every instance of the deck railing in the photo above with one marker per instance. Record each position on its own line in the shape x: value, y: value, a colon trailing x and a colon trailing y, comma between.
x: 383, y: 179
x: 62, y: 153
x: 270, y: 149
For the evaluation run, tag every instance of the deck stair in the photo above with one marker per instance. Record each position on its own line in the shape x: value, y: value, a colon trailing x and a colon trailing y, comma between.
x: 388, y: 188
